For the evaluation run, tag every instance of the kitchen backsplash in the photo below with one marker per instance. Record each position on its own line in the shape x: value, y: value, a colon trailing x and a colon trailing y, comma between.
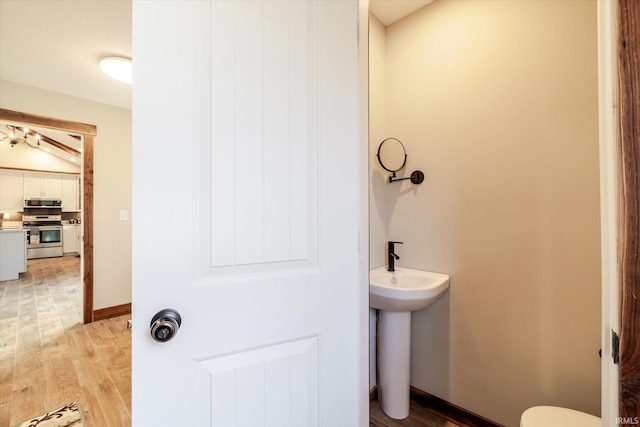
x: 17, y: 216
x: 71, y: 215
x: 11, y: 216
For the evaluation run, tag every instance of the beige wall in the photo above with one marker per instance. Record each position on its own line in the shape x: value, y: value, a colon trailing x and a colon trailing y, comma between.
x: 112, y: 180
x: 497, y: 103
x: 377, y: 132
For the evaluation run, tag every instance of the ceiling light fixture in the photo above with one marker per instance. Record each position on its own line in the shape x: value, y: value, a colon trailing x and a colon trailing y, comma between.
x: 118, y: 68
x: 14, y: 139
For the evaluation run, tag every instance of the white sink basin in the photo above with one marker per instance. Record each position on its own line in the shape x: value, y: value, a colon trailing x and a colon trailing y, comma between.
x: 405, y: 289
x: 396, y: 294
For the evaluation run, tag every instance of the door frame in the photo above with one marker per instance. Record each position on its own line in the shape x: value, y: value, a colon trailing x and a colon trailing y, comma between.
x: 619, y: 101
x: 628, y: 121
x: 609, y: 200
x: 363, y: 136
x: 88, y: 132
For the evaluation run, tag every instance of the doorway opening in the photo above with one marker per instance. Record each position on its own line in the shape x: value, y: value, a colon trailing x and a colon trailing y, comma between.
x: 88, y: 133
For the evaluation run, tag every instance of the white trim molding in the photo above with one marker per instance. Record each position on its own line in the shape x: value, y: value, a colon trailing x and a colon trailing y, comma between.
x: 607, y: 84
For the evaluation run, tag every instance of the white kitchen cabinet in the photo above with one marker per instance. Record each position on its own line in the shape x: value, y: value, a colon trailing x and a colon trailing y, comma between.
x: 11, y: 191
x: 42, y: 185
x: 13, y: 254
x: 71, y: 193
x: 71, y: 238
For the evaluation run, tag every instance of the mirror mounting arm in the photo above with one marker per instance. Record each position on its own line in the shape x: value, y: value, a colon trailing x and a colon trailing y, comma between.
x: 417, y: 177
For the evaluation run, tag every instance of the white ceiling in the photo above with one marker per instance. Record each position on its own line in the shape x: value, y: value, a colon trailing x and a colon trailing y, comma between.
x: 390, y: 11
x: 56, y: 44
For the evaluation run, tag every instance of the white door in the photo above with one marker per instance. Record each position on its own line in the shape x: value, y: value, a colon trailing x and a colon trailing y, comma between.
x: 248, y: 207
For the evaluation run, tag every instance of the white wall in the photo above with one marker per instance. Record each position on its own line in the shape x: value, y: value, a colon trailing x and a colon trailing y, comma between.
x: 112, y: 180
x: 497, y: 103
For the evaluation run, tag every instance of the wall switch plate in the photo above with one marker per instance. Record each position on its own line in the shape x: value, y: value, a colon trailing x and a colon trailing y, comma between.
x: 124, y: 215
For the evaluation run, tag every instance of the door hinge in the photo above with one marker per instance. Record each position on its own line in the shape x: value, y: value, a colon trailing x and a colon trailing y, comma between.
x: 615, y: 347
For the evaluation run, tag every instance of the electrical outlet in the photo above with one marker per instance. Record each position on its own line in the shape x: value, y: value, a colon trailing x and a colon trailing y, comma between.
x: 124, y: 215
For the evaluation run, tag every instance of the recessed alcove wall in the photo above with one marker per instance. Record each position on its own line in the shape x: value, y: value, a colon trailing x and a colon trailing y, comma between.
x: 497, y: 103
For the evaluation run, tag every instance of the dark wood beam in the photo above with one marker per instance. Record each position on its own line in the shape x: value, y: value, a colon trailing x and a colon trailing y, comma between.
x: 59, y: 145
x: 32, y: 119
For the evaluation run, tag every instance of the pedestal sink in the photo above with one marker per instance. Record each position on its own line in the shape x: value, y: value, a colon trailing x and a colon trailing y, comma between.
x: 396, y: 294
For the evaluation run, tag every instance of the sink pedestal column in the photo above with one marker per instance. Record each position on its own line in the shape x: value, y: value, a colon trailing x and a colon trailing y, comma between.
x: 394, y: 362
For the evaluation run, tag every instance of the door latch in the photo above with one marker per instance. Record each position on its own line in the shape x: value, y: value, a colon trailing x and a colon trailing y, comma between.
x: 615, y: 347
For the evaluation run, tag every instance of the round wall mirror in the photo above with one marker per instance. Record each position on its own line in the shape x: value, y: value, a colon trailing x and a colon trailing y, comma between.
x: 391, y: 155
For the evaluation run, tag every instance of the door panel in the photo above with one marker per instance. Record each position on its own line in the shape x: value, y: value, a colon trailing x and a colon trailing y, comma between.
x: 246, y: 119
x: 275, y: 386
x: 261, y: 130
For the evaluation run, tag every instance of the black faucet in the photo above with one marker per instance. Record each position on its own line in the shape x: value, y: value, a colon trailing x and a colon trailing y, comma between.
x: 392, y: 257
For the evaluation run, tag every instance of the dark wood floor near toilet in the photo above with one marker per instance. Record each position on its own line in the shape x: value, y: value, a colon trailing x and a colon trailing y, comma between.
x: 419, y: 417
x: 427, y: 411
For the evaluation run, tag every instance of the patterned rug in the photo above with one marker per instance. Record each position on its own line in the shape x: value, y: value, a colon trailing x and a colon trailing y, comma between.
x: 66, y: 416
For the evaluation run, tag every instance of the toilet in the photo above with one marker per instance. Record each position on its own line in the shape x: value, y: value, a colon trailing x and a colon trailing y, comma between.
x: 553, y: 416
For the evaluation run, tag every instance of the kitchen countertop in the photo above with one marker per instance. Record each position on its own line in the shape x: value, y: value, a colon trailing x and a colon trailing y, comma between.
x: 11, y: 229
x: 8, y: 225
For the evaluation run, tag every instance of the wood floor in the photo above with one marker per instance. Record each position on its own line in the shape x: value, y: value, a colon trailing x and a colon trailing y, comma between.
x: 418, y: 417
x: 49, y: 359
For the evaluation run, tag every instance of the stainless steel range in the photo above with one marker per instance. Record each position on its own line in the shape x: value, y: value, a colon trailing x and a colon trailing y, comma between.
x: 42, y: 218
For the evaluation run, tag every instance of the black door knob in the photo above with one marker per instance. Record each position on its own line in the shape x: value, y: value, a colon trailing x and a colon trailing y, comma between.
x: 165, y: 325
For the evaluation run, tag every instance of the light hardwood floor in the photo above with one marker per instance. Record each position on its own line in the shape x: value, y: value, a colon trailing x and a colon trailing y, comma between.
x: 48, y: 359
